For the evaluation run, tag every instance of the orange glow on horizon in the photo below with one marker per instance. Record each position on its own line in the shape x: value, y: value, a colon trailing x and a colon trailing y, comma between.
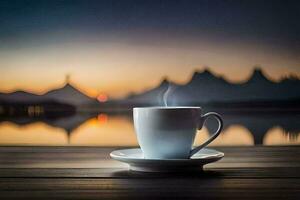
x: 102, y: 97
x: 102, y: 118
x: 235, y: 135
x: 116, y: 132
x: 133, y: 67
x: 119, y: 131
x: 277, y: 136
x: 37, y: 133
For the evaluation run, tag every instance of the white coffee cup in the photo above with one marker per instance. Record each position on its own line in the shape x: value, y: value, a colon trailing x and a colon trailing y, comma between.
x: 169, y: 132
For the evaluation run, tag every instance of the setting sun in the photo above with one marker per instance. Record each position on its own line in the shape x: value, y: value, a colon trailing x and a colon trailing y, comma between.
x: 102, y: 97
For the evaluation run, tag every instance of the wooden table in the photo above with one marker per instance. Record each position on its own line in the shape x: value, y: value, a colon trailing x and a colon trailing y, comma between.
x: 89, y: 173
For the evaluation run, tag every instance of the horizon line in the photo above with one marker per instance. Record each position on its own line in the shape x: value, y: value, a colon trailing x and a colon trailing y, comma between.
x: 73, y: 84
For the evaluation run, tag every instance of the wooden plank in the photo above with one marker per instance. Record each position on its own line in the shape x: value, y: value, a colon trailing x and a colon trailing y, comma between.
x: 98, y: 157
x: 157, y: 183
x: 246, y: 194
x: 114, y: 164
x: 291, y: 173
x: 150, y: 188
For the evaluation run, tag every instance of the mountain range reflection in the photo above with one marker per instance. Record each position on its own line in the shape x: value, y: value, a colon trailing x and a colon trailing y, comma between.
x: 117, y: 130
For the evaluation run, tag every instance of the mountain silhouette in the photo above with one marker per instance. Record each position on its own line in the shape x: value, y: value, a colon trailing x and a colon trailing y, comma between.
x: 20, y: 96
x: 68, y: 94
x: 206, y: 88
x: 258, y: 76
x: 149, y: 97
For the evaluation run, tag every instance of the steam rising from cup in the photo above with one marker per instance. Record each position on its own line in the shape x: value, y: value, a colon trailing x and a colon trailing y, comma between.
x: 170, y: 89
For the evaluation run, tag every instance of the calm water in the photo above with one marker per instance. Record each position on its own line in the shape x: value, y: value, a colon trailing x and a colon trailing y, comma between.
x: 117, y: 130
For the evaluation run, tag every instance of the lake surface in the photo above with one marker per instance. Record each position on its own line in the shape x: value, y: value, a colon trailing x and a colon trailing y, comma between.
x: 117, y: 130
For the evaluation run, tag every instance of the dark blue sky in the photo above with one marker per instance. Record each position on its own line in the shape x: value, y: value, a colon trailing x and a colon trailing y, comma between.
x: 268, y: 21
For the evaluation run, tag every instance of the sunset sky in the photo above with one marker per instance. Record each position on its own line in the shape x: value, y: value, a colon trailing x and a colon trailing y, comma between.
x: 116, y: 47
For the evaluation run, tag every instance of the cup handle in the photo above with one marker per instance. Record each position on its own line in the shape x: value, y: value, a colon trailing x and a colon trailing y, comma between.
x: 214, y: 136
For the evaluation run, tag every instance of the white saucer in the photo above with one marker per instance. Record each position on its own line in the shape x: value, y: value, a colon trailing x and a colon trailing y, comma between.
x: 137, y: 162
